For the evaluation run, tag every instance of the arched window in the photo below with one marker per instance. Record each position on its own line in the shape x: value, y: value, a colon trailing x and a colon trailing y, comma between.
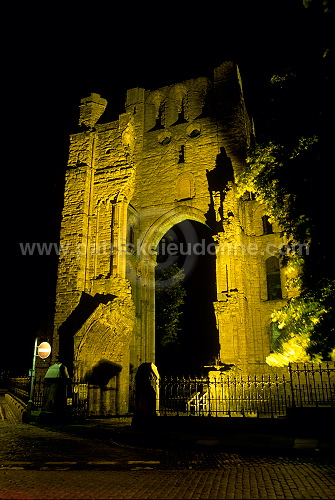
x: 159, y: 118
x: 267, y: 226
x: 181, y: 112
x: 198, y: 98
x: 176, y: 105
x: 155, y: 111
x: 273, y: 278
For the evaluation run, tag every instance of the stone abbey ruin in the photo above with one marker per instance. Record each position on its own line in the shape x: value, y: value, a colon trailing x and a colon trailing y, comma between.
x: 170, y: 159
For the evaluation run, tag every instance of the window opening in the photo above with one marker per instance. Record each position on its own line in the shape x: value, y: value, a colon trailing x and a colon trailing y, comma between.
x: 131, y: 239
x: 159, y: 119
x: 274, y: 334
x: 267, y: 226
x: 273, y: 280
x: 181, y: 158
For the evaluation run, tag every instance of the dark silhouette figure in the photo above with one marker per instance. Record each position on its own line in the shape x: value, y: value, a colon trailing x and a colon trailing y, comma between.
x: 146, y: 395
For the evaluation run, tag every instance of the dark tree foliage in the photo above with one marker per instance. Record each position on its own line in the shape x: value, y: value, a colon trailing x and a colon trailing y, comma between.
x: 290, y: 170
x: 170, y: 295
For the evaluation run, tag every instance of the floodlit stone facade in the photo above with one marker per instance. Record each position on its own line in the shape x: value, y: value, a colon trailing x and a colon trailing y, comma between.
x: 172, y: 156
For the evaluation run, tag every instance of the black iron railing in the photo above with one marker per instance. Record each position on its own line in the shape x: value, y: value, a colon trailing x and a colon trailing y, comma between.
x: 224, y: 395
x: 228, y: 394
x: 77, y: 394
x: 312, y: 384
x: 220, y: 394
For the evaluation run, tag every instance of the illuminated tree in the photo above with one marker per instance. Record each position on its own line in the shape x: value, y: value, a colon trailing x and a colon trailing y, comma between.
x: 288, y: 170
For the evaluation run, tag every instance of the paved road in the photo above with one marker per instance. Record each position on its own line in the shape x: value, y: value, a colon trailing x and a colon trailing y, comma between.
x: 234, y: 479
x: 40, y: 463
x: 267, y: 481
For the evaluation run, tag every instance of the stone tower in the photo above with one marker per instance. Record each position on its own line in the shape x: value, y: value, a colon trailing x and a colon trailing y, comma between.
x: 172, y: 156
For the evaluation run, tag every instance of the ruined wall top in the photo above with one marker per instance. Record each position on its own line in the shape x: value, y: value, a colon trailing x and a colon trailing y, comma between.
x: 91, y: 108
x: 171, y: 104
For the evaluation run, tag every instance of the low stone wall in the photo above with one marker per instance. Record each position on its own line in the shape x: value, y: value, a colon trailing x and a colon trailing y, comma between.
x: 16, y: 407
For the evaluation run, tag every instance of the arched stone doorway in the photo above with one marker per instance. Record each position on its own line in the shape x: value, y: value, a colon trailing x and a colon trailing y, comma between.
x: 186, y: 336
x: 144, y: 295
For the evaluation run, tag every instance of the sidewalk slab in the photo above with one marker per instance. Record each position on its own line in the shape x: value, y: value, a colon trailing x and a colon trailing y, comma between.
x: 236, y: 435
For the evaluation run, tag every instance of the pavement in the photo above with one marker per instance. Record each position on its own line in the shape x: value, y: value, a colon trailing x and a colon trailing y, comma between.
x: 236, y: 435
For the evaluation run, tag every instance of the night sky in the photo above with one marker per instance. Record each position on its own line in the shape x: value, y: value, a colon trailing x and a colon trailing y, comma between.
x: 58, y: 59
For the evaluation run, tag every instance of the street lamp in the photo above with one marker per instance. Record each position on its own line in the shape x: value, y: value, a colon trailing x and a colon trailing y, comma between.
x: 43, y: 351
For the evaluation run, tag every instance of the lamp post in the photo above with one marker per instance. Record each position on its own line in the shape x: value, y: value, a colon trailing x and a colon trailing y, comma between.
x: 43, y: 351
x: 32, y: 378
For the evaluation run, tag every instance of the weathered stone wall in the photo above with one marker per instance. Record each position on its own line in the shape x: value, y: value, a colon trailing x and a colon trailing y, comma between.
x: 173, y: 155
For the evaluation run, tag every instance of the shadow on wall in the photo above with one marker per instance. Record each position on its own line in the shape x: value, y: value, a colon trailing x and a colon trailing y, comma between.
x: 218, y: 179
x: 75, y: 321
x: 102, y: 373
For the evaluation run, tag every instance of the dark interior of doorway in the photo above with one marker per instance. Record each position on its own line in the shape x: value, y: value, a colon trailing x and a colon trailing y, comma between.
x: 198, y: 342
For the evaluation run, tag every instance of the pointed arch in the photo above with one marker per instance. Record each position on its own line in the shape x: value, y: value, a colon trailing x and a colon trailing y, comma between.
x: 199, y: 98
x: 150, y: 240
x: 155, y: 112
x: 177, y: 108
